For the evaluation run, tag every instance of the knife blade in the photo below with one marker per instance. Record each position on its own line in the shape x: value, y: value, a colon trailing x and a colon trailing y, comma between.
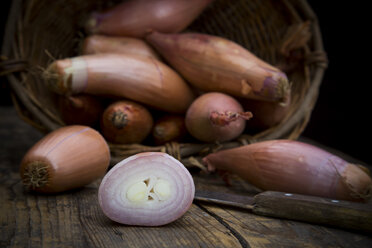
x: 312, y: 209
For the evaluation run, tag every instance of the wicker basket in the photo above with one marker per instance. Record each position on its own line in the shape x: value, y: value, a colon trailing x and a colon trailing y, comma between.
x: 282, y: 32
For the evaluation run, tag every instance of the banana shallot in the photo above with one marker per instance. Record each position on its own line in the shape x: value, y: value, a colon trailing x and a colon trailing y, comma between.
x: 294, y: 167
x: 142, y: 79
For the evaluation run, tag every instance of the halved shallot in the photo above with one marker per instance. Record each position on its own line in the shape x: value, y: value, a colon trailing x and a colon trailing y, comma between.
x: 136, y: 17
x: 214, y: 63
x: 294, y: 167
x: 146, y: 189
x: 142, y: 79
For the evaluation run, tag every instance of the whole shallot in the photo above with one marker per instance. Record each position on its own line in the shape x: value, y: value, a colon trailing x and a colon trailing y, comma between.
x: 294, y: 167
x: 135, y: 18
x: 67, y: 158
x: 216, y: 117
x: 213, y: 63
x: 126, y: 122
x: 142, y: 79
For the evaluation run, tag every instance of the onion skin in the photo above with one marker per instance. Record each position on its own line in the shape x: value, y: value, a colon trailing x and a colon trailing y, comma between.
x: 113, y: 190
x: 135, y: 18
x: 214, y: 63
x: 126, y: 122
x: 294, y: 167
x: 80, y: 109
x: 169, y: 128
x: 216, y: 117
x: 65, y: 159
x: 144, y: 80
x: 94, y: 44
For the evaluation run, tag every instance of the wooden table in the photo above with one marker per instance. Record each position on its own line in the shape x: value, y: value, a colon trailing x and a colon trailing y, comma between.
x: 74, y: 219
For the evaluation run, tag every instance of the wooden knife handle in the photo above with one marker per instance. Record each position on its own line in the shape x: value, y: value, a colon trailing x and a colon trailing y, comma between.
x: 336, y: 213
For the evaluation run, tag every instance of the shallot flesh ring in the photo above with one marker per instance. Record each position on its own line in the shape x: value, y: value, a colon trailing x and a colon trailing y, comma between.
x: 146, y: 189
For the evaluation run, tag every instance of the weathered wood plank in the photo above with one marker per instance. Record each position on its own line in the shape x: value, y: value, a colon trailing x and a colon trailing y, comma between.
x: 260, y: 231
x: 74, y: 219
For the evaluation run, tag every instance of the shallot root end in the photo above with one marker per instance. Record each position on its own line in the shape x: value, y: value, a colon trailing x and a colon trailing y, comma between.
x: 36, y: 175
x: 223, y: 119
x: 284, y: 91
x: 119, y: 119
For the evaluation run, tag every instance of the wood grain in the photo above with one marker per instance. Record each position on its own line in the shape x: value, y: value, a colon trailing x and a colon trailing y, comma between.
x: 74, y: 219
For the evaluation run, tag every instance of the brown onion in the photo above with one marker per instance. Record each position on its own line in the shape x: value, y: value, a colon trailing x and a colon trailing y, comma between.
x: 67, y: 158
x: 80, y: 109
x: 215, y: 117
x: 126, y: 122
x: 214, y: 63
x: 294, y: 167
x: 136, y: 17
x: 169, y: 128
x: 142, y: 79
x: 147, y: 189
x: 112, y: 44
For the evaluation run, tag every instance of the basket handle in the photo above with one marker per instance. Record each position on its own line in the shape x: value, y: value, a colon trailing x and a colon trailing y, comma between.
x: 8, y: 66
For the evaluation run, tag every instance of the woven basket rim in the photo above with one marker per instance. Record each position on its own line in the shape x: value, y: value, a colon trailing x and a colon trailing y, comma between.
x: 298, y: 120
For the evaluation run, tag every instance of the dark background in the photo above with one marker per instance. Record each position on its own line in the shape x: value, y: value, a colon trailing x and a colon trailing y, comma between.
x: 341, y: 117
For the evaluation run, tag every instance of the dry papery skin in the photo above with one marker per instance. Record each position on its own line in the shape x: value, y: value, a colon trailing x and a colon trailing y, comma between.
x: 68, y: 158
x: 126, y: 122
x: 146, y: 189
x: 213, y: 63
x: 294, y: 167
x: 134, y: 18
x: 141, y: 79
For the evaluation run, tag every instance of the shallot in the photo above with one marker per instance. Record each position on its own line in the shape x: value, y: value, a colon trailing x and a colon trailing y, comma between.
x: 146, y: 189
x: 67, y: 158
x: 169, y: 128
x: 80, y: 109
x: 126, y: 122
x: 113, y: 44
x: 266, y: 114
x: 294, y: 167
x: 142, y: 79
x: 213, y: 63
x: 136, y: 17
x: 215, y: 117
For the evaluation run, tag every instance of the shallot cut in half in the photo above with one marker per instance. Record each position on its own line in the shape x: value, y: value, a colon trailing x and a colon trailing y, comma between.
x: 134, y: 18
x: 126, y: 122
x: 146, y: 189
x: 67, y: 158
x: 213, y: 63
x: 142, y: 79
x: 116, y: 44
x: 294, y: 167
x: 216, y: 117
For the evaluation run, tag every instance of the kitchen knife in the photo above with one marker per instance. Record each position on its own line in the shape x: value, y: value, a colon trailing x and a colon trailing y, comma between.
x: 311, y: 209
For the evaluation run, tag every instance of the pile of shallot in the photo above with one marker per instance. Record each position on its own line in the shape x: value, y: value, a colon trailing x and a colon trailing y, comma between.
x: 144, y: 79
x: 141, y: 79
